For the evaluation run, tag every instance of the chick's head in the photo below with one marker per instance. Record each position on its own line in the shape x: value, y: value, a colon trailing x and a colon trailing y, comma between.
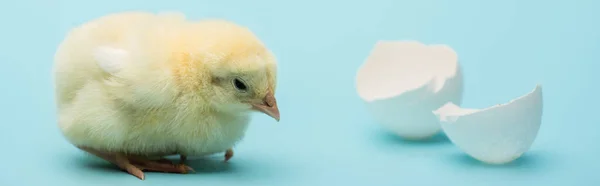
x: 233, y: 70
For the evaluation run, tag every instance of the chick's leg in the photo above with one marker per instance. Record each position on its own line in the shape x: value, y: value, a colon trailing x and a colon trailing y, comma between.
x: 118, y: 159
x: 228, y: 154
x: 182, y: 158
x: 134, y: 165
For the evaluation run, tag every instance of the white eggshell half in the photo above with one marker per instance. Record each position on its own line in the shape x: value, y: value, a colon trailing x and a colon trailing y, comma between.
x: 498, y: 134
x: 402, y: 82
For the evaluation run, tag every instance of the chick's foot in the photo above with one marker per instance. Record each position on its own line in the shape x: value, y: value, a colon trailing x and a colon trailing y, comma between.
x: 135, y: 165
x: 160, y: 165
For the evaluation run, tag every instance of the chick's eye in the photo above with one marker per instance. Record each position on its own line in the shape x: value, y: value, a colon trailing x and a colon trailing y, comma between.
x: 239, y: 84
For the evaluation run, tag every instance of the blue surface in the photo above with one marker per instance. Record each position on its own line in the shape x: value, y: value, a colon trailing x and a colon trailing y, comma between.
x: 325, y: 136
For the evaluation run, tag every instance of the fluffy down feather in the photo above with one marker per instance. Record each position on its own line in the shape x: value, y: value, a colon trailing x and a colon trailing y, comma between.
x: 159, y: 84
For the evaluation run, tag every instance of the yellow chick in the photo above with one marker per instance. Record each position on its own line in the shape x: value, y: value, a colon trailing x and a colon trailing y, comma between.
x: 133, y: 87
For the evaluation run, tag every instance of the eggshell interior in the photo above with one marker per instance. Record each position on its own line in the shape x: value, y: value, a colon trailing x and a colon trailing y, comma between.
x: 396, y: 67
x: 403, y: 81
x: 498, y: 134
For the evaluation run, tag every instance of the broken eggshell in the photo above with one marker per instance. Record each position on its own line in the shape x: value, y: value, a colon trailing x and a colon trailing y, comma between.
x: 402, y: 82
x: 497, y: 134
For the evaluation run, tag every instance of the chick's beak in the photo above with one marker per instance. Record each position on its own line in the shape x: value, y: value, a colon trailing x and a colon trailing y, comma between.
x: 268, y: 106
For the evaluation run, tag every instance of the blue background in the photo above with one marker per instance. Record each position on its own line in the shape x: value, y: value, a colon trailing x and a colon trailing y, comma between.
x: 326, y: 137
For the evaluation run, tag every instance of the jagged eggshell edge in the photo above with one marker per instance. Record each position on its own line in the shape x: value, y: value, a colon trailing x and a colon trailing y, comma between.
x: 498, y: 134
x: 408, y: 112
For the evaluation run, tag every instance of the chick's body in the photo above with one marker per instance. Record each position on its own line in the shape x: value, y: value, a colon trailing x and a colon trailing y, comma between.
x: 173, y: 87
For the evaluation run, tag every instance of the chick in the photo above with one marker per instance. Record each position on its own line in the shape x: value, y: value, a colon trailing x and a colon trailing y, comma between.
x: 133, y: 87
